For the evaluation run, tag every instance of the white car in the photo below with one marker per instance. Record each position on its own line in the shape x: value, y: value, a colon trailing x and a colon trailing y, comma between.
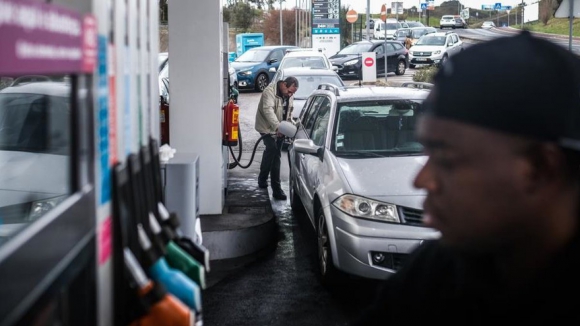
x: 35, y: 153
x: 434, y: 49
x: 487, y: 25
x: 304, y: 58
x: 391, y: 25
x: 352, y: 165
x: 447, y: 21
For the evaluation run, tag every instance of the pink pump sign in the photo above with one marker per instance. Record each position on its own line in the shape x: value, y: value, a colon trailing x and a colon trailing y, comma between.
x: 42, y: 38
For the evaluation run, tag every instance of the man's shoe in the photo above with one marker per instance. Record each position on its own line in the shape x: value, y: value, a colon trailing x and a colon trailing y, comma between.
x: 263, y: 185
x: 279, y: 194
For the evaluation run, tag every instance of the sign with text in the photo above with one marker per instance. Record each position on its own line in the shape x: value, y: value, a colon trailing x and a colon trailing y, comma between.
x: 397, y: 8
x: 43, y: 38
x: 369, y: 67
x: 431, y: 5
x: 326, y: 26
x: 329, y: 44
x: 325, y: 14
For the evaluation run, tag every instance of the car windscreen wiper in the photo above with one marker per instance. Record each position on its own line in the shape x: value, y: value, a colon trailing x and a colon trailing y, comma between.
x: 396, y: 154
x: 358, y: 154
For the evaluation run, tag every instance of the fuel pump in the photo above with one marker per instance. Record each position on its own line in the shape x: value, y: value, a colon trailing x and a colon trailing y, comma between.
x: 161, y: 308
x: 175, y: 281
x: 176, y: 257
x: 170, y: 222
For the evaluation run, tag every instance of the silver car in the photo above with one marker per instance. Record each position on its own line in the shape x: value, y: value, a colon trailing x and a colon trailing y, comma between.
x: 352, y: 166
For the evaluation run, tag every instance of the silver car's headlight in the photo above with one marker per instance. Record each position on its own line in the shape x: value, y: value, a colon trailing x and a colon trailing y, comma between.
x: 40, y: 207
x: 351, y: 62
x: 363, y: 207
x: 437, y: 52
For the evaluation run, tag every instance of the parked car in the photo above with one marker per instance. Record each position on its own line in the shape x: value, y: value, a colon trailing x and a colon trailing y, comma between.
x: 460, y: 22
x: 35, y: 157
x: 163, y: 57
x: 412, y: 24
x: 447, y: 21
x: 417, y: 32
x: 391, y: 27
x: 304, y: 58
x: 488, y: 24
x: 401, y: 34
x: 352, y: 165
x: 253, y: 66
x: 308, y: 79
x: 348, y: 60
x: 435, y: 49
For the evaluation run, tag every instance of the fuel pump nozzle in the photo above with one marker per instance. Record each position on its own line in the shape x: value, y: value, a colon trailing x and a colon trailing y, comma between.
x: 162, y: 308
x: 174, y: 281
x: 177, y: 257
x: 195, y: 250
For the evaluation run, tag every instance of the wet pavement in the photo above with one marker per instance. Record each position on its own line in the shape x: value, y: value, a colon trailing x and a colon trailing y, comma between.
x: 281, y: 287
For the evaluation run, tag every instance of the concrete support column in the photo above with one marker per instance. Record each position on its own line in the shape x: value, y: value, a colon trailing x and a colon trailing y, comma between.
x: 195, y: 74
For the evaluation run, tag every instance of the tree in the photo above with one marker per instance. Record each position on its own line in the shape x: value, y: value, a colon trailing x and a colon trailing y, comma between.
x: 272, y: 27
x: 240, y: 15
x: 346, y: 27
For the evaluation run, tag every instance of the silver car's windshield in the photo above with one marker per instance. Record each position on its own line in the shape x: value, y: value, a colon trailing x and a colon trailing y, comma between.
x: 431, y: 40
x: 309, y: 84
x: 369, y: 129
x: 313, y: 62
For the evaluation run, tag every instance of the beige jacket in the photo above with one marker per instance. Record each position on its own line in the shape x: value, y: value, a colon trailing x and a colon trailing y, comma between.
x: 271, y: 110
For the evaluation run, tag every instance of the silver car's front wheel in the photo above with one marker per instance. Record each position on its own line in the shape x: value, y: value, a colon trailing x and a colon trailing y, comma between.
x: 323, y: 246
x: 329, y: 275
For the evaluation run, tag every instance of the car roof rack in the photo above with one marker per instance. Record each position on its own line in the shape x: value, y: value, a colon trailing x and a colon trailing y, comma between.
x: 329, y: 87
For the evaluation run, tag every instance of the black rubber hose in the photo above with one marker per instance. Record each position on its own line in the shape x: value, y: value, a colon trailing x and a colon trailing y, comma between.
x: 237, y: 161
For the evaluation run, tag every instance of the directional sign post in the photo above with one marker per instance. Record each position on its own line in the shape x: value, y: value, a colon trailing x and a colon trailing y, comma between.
x: 424, y: 6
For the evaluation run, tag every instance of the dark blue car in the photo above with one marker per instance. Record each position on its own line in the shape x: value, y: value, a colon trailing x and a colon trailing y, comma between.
x: 253, y: 66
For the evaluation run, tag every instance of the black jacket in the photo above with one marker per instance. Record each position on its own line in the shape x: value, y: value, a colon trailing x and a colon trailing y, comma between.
x: 439, y: 286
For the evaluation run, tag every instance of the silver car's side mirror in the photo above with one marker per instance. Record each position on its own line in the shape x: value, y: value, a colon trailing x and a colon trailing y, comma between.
x: 272, y: 69
x: 305, y: 146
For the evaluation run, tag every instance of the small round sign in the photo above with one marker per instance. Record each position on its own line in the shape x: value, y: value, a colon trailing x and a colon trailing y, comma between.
x: 369, y: 62
x: 384, y: 13
x: 351, y: 16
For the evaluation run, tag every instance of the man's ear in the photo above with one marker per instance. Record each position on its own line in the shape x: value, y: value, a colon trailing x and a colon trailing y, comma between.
x: 547, y: 162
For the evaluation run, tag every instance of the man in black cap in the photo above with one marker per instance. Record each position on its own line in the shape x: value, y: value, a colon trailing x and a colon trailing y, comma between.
x: 501, y: 129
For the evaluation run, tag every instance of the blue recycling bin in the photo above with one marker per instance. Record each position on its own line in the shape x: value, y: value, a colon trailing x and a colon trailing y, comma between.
x: 232, y: 56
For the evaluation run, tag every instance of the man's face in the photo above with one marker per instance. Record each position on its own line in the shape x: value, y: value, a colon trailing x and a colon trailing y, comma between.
x: 288, y: 91
x: 476, y: 185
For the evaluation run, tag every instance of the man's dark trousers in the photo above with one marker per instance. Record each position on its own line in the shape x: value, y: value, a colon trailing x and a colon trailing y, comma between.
x: 271, y: 162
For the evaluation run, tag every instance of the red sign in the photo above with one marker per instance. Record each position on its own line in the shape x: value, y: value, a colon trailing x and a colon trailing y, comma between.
x: 351, y: 16
x: 369, y: 62
x: 384, y: 13
x: 89, y: 46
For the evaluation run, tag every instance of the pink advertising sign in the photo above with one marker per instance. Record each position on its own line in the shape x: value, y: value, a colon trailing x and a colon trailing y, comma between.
x: 43, y: 38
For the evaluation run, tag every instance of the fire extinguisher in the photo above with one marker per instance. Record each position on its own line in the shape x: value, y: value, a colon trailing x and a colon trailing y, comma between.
x: 164, y: 113
x: 231, y: 124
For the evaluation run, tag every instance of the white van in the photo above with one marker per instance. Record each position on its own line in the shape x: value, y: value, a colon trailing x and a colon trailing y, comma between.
x: 391, y: 25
